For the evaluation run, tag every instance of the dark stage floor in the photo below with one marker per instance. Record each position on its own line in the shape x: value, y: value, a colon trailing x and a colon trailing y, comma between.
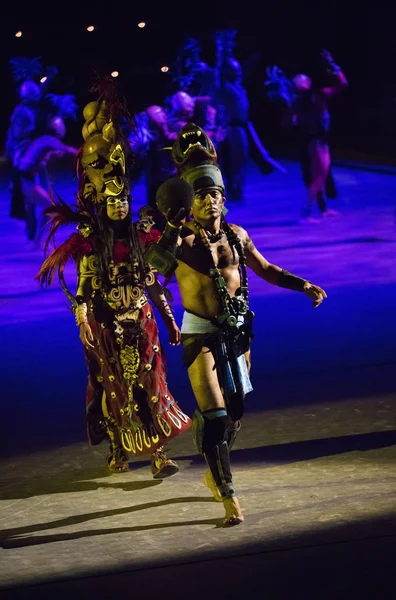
x: 315, y: 461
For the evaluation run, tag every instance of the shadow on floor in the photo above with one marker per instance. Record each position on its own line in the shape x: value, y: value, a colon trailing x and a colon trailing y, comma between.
x: 80, y: 480
x: 308, y: 449
x: 18, y: 538
x: 351, y: 560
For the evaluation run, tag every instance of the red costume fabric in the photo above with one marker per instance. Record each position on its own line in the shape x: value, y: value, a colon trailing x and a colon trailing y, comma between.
x: 150, y: 417
x: 127, y: 396
x: 127, y: 366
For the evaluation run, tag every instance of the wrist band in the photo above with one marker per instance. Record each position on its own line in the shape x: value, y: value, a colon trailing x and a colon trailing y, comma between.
x: 291, y: 282
x: 81, y: 314
x: 173, y: 226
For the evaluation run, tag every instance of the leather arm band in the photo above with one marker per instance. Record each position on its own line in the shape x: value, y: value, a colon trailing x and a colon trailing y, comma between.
x: 291, y: 282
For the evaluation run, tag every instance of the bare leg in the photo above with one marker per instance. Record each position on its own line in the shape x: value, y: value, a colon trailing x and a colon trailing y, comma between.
x: 320, y: 166
x: 206, y: 388
x: 248, y: 358
x: 36, y: 195
x: 331, y: 190
x: 42, y: 200
x: 204, y: 381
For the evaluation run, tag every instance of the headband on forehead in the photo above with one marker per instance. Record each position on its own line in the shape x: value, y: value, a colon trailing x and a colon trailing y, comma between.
x: 203, y: 177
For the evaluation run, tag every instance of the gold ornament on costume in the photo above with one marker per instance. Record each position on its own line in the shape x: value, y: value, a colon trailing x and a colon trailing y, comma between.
x: 146, y: 219
x: 85, y: 230
x: 81, y: 313
x: 88, y: 269
x: 123, y: 294
x: 130, y: 360
x: 103, y: 157
x: 150, y: 278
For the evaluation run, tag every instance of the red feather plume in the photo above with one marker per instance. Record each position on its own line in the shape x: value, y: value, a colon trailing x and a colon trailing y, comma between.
x: 61, y: 214
x: 73, y: 248
x: 115, y: 105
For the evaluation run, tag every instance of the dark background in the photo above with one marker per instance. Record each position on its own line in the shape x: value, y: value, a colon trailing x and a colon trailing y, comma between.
x: 287, y: 33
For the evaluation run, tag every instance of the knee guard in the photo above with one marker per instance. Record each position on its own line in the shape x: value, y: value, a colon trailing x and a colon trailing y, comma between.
x: 210, y: 428
x: 232, y: 432
x: 216, y: 423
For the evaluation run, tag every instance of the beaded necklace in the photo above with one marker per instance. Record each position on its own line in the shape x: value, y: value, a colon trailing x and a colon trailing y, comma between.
x: 233, y: 307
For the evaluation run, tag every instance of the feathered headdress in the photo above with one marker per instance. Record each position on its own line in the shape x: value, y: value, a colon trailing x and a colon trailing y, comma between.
x: 62, y: 105
x: 26, y: 69
x: 140, y: 137
x: 279, y: 87
x: 102, y: 174
x: 188, y: 58
x: 115, y: 108
x: 102, y: 160
x: 101, y: 164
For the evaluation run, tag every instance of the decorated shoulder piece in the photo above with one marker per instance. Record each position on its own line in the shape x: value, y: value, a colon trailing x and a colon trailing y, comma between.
x: 76, y: 246
x: 147, y: 234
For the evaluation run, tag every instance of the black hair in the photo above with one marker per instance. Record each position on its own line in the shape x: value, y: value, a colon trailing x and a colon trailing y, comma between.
x: 108, y: 231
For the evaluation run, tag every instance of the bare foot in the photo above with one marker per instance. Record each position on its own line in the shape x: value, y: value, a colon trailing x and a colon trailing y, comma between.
x: 309, y: 221
x: 234, y: 514
x: 210, y: 483
x: 331, y: 213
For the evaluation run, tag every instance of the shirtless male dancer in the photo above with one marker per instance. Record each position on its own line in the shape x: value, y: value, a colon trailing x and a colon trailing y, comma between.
x: 209, y: 258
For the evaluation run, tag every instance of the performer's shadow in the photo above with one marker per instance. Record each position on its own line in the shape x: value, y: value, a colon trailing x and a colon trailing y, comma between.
x: 78, y: 481
x: 85, y: 481
x: 293, y: 452
x: 16, y: 537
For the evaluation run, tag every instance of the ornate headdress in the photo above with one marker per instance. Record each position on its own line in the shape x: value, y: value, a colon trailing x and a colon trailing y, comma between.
x: 102, y: 173
x: 193, y: 147
x: 204, y: 177
x: 102, y: 168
